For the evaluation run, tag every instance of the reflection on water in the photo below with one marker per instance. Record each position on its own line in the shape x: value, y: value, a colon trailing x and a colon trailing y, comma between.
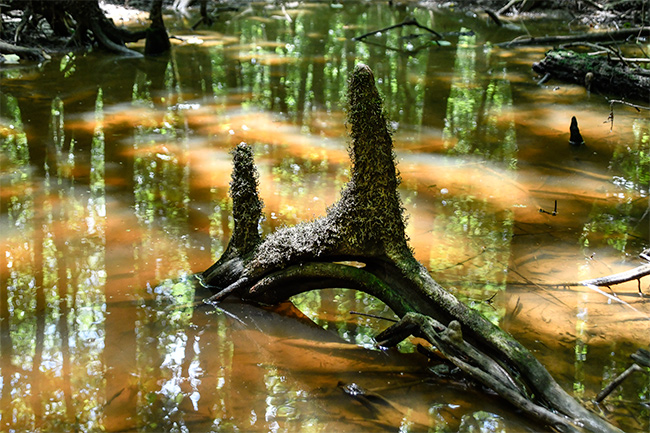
x: 114, y: 177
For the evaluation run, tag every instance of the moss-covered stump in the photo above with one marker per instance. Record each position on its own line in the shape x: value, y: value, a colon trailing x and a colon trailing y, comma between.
x: 607, y: 75
x: 367, y: 226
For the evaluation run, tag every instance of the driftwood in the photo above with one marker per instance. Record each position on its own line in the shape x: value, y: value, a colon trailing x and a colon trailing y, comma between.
x: 366, y: 228
x: 599, y: 73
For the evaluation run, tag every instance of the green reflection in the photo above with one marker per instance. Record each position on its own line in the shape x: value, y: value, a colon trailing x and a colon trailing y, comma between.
x: 334, y: 309
x: 168, y: 360
x: 18, y: 298
x: 615, y: 222
x: 475, y: 250
x: 633, y: 159
x: 54, y: 294
x: 479, y: 121
x: 89, y: 299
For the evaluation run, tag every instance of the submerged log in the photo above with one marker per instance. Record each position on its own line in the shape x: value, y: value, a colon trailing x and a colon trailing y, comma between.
x: 367, y: 226
x: 600, y: 74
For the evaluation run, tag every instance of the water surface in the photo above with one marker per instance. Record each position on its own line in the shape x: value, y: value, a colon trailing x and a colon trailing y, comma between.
x: 114, y: 175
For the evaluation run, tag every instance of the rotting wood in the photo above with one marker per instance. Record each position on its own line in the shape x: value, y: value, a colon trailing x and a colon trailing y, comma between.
x: 367, y: 225
x: 600, y: 74
x: 608, y: 36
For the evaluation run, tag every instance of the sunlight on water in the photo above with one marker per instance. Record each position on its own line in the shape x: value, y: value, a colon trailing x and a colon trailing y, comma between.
x: 113, y: 192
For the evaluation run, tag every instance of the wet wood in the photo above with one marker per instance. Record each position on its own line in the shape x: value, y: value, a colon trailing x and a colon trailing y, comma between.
x: 616, y: 35
x: 23, y: 52
x: 622, y: 277
x: 366, y: 226
x: 597, y: 72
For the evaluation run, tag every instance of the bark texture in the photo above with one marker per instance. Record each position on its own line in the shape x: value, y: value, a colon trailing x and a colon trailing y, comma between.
x: 367, y: 226
x: 601, y: 74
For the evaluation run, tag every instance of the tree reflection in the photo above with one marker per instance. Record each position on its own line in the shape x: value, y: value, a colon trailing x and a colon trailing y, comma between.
x: 479, y: 122
x: 55, y: 289
x: 617, y: 221
x: 104, y: 214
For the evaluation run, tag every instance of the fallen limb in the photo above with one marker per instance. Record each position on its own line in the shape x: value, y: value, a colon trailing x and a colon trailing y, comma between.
x: 608, y: 36
x: 616, y: 382
x: 622, y: 277
x: 367, y: 226
x: 641, y: 358
x: 449, y: 340
x: 606, y: 281
x: 599, y: 73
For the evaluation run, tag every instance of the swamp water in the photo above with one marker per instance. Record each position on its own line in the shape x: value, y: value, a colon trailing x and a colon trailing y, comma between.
x: 114, y: 175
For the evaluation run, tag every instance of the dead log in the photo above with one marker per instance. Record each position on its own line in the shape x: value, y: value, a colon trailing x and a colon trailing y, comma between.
x: 600, y: 73
x: 367, y: 226
x: 607, y: 36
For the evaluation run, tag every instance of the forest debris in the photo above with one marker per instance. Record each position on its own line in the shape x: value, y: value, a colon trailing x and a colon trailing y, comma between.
x: 616, y: 382
x: 607, y: 36
x: 641, y: 358
x: 607, y: 76
x: 622, y: 277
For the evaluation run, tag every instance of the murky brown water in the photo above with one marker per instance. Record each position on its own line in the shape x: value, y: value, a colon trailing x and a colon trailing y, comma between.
x: 114, y: 176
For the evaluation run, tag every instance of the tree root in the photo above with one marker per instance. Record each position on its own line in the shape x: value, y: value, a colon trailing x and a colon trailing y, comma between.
x: 108, y: 44
x: 84, y: 20
x: 473, y: 362
x: 23, y: 52
x: 367, y: 226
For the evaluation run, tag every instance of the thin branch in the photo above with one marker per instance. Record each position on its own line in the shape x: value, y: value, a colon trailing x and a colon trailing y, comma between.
x: 506, y: 7
x: 629, y: 104
x: 616, y: 382
x: 374, y: 316
x: 407, y: 22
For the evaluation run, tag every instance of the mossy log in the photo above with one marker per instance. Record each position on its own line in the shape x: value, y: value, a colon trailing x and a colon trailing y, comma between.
x: 367, y: 226
x: 598, y: 73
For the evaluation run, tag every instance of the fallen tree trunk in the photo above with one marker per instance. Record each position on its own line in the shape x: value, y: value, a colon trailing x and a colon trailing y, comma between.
x: 366, y: 227
x: 607, y: 36
x: 597, y: 72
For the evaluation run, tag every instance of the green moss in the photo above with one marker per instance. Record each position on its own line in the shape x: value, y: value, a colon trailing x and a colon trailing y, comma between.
x: 368, y: 220
x: 247, y: 206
